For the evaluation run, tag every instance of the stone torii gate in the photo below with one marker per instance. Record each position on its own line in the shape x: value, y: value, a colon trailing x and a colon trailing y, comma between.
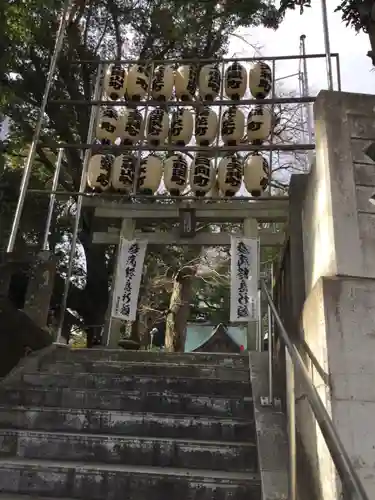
x: 188, y: 214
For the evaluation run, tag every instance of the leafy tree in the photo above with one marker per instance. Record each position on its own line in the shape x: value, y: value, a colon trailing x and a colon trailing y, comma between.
x: 359, y: 14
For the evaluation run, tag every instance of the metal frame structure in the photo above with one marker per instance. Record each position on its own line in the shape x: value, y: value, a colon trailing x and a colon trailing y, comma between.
x: 131, y: 209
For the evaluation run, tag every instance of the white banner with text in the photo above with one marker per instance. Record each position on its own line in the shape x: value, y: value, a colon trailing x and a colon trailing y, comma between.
x: 244, y: 279
x: 128, y: 279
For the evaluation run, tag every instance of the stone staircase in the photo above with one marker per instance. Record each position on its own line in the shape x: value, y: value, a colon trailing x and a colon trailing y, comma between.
x: 106, y: 424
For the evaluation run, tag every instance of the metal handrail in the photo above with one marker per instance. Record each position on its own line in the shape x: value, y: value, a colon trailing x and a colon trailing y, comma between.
x: 353, y: 486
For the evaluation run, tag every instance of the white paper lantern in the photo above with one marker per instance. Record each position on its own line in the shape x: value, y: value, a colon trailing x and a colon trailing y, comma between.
x: 229, y: 176
x: 99, y: 172
x: 108, y: 124
x: 232, y: 126
x: 235, y: 81
x: 162, y: 83
x: 185, y: 82
x: 182, y: 125
x: 209, y: 82
x: 131, y: 126
x: 259, y: 124
x: 175, y: 174
x: 255, y: 174
x: 115, y: 82
x: 123, y: 170
x: 151, y: 172
x: 157, y: 126
x: 202, y: 175
x: 137, y: 82
x: 260, y: 80
x: 206, y: 125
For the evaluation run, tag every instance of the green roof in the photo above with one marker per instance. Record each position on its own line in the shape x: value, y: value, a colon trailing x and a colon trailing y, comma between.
x: 197, y: 334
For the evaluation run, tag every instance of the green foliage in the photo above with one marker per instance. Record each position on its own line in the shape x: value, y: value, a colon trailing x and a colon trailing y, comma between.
x: 355, y: 13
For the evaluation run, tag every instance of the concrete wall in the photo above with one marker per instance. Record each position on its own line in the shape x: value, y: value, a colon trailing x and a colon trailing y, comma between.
x: 339, y: 312
x: 338, y: 219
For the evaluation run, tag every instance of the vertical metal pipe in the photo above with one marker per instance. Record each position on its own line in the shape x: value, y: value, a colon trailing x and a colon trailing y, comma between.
x: 259, y: 343
x: 137, y: 171
x: 38, y: 127
x: 86, y: 159
x: 305, y: 93
x: 338, y: 71
x: 272, y: 129
x: 305, y: 87
x: 292, y: 479
x: 303, y: 121
x: 52, y: 197
x: 327, y: 44
x: 260, y: 325
x: 220, y: 117
x: 270, y: 355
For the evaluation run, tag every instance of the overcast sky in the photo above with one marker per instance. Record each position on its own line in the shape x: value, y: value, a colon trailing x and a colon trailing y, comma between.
x: 355, y: 65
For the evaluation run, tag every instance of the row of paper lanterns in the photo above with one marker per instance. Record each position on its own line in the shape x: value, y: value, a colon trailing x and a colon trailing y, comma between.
x: 107, y: 171
x: 158, y: 126
x: 164, y: 82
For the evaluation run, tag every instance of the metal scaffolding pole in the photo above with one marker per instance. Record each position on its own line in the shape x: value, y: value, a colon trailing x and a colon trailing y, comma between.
x: 193, y: 104
x: 52, y: 198
x: 327, y: 44
x: 199, y: 61
x: 307, y: 106
x: 305, y: 88
x: 86, y: 160
x: 101, y: 148
x: 38, y: 128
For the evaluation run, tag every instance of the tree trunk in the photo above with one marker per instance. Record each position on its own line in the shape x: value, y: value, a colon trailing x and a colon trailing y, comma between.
x: 179, y: 308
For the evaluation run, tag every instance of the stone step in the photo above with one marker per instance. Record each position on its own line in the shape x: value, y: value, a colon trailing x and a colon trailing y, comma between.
x: 144, y: 451
x: 212, y: 359
x: 135, y: 401
x: 155, y: 383
x: 166, y: 370
x: 14, y: 496
x: 116, y: 482
x: 127, y: 424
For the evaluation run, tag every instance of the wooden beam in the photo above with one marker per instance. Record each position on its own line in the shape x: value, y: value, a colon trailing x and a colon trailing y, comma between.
x: 221, y: 211
x: 168, y: 238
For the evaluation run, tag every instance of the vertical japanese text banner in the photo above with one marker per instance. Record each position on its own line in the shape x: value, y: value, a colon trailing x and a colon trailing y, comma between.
x: 128, y: 279
x: 244, y: 279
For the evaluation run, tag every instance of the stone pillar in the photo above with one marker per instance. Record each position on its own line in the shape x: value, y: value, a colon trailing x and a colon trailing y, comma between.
x: 250, y: 230
x: 339, y: 312
x: 297, y: 189
x: 40, y: 287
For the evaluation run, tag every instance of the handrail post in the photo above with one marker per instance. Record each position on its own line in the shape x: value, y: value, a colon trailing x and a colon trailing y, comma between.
x: 270, y: 400
x: 291, y: 410
x: 270, y: 355
x: 259, y: 342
